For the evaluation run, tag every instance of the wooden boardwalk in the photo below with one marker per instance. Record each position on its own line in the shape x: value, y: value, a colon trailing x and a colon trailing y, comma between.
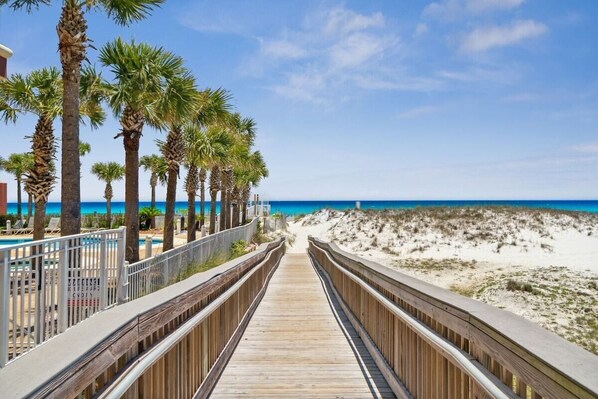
x: 297, y: 345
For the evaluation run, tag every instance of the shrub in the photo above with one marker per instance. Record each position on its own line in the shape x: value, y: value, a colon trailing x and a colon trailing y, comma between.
x: 513, y: 285
x: 238, y: 248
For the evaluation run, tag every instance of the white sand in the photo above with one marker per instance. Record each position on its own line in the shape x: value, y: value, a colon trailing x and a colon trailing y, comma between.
x: 476, y: 251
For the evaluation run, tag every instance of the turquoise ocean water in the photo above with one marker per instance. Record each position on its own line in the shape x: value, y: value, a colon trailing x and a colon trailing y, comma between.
x: 298, y: 207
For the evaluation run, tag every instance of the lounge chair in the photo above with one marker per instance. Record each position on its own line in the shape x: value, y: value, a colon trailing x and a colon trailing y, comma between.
x: 53, y: 226
x: 26, y: 230
x: 14, y: 229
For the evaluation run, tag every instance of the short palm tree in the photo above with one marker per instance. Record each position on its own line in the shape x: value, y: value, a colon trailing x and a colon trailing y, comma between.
x: 158, y: 168
x: 84, y: 148
x: 72, y: 45
x: 139, y: 95
x: 254, y: 171
x: 108, y: 172
x: 40, y: 93
x: 18, y: 165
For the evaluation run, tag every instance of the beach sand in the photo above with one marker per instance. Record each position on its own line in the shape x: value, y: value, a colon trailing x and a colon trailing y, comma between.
x: 539, y: 264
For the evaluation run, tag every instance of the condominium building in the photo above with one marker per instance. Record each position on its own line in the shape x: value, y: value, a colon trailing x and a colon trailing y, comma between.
x: 5, y: 54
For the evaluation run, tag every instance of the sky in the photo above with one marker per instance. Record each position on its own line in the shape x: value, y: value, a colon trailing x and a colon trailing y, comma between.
x: 453, y: 99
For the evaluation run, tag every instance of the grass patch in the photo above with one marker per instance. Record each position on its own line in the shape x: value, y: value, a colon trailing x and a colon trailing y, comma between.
x: 514, y: 285
x: 237, y: 249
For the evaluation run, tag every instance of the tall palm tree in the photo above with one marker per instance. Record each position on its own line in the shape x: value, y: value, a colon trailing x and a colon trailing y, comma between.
x: 72, y: 45
x: 203, y: 148
x: 214, y: 108
x: 178, y: 107
x: 108, y: 172
x: 158, y: 168
x: 243, y: 130
x: 141, y: 94
x: 18, y: 165
x: 40, y: 93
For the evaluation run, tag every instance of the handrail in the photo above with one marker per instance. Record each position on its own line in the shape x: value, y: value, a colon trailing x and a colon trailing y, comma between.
x: 520, y: 354
x: 431, y: 337
x: 141, y: 365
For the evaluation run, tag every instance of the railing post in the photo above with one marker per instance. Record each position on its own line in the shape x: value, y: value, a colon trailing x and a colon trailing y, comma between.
x: 8, y: 226
x: 148, y: 247
x: 123, y: 284
x: 63, y: 284
x: 103, y: 274
x: 4, y: 305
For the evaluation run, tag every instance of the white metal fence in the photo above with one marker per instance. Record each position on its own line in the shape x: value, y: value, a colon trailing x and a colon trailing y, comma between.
x: 50, y: 285
x: 152, y: 274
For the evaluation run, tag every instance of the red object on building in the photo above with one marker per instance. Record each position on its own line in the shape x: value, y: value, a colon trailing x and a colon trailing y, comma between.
x: 3, y: 198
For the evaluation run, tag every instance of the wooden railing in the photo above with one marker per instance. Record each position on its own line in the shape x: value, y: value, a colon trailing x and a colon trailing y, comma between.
x: 431, y: 343
x: 166, y: 344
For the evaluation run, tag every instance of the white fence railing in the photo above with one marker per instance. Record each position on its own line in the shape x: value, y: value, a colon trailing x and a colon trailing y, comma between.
x: 50, y: 285
x: 152, y: 274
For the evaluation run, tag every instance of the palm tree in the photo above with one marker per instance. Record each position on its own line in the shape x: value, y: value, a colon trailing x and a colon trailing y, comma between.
x: 203, y: 149
x: 214, y: 108
x: 18, y: 165
x: 158, y: 169
x: 72, y: 45
x: 178, y: 106
x: 139, y: 95
x: 84, y: 148
x: 40, y: 93
x: 243, y: 130
x: 108, y: 172
x: 254, y: 171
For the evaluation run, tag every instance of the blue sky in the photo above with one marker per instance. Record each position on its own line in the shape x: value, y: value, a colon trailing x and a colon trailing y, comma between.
x: 453, y: 99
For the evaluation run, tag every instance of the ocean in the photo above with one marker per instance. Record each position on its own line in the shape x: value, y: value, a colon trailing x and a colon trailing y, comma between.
x: 298, y: 207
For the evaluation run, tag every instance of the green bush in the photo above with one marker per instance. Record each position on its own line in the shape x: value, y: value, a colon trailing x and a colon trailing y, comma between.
x: 238, y: 249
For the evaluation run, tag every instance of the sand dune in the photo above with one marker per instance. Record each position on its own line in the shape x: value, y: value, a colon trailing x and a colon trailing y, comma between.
x: 540, y: 264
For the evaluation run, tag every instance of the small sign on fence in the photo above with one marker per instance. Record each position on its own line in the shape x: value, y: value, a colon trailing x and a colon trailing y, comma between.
x: 84, y: 291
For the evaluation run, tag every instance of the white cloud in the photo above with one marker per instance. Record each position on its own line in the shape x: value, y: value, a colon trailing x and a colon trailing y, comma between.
x: 588, y: 147
x: 339, y: 20
x: 335, y: 51
x: 357, y: 49
x: 282, y: 49
x: 455, y: 9
x: 420, y: 29
x: 479, y: 6
x: 482, y: 39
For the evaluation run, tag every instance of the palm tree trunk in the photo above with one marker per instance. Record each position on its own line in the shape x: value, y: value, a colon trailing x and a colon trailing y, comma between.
x: 19, y: 206
x: 236, y: 199
x: 29, y: 206
x: 243, y: 213
x: 169, y: 214
x: 131, y: 143
x: 223, y: 206
x: 72, y: 39
x: 191, y: 233
x: 108, y: 196
x: 153, y: 201
x: 213, y: 195
x: 202, y: 197
x: 214, y: 188
x: 39, y: 220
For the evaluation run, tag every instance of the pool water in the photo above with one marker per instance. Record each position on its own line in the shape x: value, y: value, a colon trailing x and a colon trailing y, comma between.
x: 14, y: 241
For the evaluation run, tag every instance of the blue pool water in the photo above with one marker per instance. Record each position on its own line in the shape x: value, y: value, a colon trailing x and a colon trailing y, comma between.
x: 14, y: 241
x: 297, y: 207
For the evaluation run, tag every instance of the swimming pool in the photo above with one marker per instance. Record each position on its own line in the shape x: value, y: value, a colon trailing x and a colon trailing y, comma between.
x: 4, y: 242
